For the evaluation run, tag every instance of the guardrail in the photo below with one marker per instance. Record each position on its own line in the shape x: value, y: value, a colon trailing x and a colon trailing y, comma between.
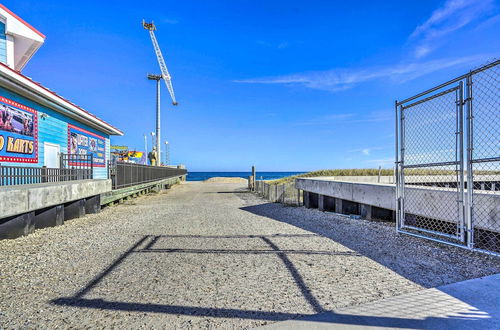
x: 124, y: 175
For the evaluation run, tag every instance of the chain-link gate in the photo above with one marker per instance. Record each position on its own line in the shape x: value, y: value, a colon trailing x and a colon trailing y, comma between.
x: 448, y: 139
x: 483, y: 167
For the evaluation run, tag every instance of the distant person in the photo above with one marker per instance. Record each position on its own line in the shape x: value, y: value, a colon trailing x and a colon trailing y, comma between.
x: 153, y: 156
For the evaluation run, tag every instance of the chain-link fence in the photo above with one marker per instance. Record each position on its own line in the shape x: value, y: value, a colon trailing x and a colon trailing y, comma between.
x: 448, y: 140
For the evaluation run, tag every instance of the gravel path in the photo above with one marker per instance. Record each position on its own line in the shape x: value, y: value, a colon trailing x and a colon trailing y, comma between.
x: 206, y: 255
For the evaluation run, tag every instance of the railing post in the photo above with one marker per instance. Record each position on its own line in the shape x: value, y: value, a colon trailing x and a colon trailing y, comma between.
x: 470, y: 174
x: 91, y: 166
x: 44, y: 174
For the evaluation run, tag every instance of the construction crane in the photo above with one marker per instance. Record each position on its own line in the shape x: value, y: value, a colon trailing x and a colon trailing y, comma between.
x: 166, y: 78
x: 163, y: 67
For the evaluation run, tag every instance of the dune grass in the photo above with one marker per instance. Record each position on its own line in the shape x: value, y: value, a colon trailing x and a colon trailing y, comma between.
x: 375, y: 172
x: 336, y: 172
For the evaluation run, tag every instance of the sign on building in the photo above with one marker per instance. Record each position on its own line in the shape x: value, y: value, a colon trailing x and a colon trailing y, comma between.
x: 18, y: 132
x: 83, y: 142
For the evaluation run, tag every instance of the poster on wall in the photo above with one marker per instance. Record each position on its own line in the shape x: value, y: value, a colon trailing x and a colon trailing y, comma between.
x: 18, y: 132
x: 137, y: 157
x: 83, y: 142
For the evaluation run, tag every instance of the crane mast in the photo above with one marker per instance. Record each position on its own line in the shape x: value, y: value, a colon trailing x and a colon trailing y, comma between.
x: 161, y: 61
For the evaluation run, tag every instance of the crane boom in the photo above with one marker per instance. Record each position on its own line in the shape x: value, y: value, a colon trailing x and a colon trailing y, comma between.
x: 161, y: 61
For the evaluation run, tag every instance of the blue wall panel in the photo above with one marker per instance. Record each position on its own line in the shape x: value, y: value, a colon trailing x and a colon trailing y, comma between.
x: 54, y: 129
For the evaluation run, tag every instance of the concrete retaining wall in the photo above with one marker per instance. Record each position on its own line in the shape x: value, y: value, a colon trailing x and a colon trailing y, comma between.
x: 410, y: 178
x: 26, y: 198
x: 25, y: 208
x: 430, y: 202
x: 119, y: 194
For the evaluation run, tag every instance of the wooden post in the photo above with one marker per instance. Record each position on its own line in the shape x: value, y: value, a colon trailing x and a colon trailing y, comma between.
x: 253, y: 178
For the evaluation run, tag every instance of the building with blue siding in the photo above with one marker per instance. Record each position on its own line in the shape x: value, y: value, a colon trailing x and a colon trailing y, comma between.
x: 36, y: 124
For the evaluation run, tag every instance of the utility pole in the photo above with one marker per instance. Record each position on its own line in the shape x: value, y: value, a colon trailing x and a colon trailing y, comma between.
x: 157, y: 77
x: 253, y: 177
x: 153, y: 141
x: 167, y: 153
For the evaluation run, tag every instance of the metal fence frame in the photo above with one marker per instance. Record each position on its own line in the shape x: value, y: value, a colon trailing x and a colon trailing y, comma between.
x: 77, y: 166
x: 72, y: 167
x: 125, y: 174
x: 477, y: 105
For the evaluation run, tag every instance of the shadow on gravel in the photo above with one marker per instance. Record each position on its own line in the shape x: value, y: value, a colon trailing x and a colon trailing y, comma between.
x: 148, y: 242
x: 147, y: 245
x: 425, y: 263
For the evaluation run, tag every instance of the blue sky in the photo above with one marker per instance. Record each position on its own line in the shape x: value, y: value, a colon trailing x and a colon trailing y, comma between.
x: 283, y: 85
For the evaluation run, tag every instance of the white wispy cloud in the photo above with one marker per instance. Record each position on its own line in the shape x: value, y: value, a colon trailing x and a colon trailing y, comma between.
x: 450, y: 17
x: 342, y: 79
x: 490, y: 22
x: 348, y: 118
x: 382, y: 162
x: 366, y: 151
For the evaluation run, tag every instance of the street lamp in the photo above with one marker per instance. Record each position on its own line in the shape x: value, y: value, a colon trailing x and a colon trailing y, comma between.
x: 157, y: 77
x: 153, y: 140
x: 146, y: 144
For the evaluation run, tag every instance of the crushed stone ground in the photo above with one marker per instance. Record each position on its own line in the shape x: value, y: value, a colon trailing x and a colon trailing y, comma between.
x: 212, y: 255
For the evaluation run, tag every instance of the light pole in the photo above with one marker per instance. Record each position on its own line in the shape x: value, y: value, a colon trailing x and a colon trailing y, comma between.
x: 157, y: 77
x: 146, y: 144
x: 167, y: 153
x: 153, y: 140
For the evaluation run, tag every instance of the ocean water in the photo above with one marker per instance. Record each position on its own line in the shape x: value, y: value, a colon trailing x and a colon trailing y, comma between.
x: 201, y: 176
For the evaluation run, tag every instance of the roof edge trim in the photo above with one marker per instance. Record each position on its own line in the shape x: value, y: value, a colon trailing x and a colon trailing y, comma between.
x: 22, y: 21
x: 28, y: 83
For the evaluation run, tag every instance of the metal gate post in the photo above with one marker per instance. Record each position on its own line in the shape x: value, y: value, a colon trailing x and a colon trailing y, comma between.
x: 460, y: 137
x: 470, y: 176
x: 402, y: 170
x: 396, y: 165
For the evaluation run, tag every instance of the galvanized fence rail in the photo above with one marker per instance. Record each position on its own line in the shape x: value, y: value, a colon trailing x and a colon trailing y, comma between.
x: 129, y: 174
x: 451, y: 131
